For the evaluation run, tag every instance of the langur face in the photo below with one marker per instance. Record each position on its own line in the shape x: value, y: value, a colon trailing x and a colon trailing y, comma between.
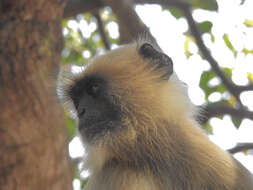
x: 97, y: 113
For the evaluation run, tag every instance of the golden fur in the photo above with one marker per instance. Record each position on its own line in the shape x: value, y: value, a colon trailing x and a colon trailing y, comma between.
x: 161, y: 147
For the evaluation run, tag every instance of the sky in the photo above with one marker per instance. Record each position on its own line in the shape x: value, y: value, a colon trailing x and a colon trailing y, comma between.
x: 169, y: 33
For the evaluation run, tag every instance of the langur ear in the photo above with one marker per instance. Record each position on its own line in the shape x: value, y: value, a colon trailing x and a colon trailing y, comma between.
x: 164, y: 62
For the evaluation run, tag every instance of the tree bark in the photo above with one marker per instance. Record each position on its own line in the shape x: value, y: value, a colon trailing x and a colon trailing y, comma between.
x: 33, y: 139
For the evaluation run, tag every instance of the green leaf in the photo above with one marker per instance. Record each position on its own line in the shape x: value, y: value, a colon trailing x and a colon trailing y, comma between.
x: 205, y: 27
x: 188, y: 39
x: 204, y: 4
x: 206, y: 76
x: 212, y: 37
x: 84, y: 182
x: 219, y: 88
x: 250, y: 76
x: 220, y: 116
x: 64, y: 23
x: 228, y: 72
x: 248, y: 22
x: 236, y: 122
x: 229, y: 44
x: 246, y: 51
x: 175, y: 13
x: 74, y: 57
x: 76, y: 171
x: 89, y: 17
x: 208, y: 128
x: 71, y: 127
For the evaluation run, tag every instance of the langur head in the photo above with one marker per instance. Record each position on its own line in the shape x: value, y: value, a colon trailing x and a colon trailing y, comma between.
x: 126, y: 90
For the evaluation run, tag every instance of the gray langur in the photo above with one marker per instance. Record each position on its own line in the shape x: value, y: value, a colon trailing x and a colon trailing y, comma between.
x: 138, y: 127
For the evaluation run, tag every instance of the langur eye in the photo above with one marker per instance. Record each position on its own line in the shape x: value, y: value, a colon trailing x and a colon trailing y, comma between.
x: 93, y: 89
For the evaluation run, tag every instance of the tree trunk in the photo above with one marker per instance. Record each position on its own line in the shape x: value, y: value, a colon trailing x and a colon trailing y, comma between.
x: 33, y: 139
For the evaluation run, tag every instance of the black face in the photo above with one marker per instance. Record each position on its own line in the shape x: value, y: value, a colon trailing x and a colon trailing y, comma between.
x: 95, y: 109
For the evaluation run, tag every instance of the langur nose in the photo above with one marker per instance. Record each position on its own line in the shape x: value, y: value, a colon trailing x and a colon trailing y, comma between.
x: 81, y: 112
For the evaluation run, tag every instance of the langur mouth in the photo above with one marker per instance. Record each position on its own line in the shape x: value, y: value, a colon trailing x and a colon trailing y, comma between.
x: 90, y: 126
x: 90, y: 131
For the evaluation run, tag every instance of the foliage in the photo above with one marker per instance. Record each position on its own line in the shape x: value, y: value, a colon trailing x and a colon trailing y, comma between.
x: 71, y: 126
x: 196, y: 4
x: 204, y: 4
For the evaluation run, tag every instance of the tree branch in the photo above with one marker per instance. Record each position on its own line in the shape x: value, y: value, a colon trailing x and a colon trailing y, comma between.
x: 241, y: 147
x: 171, y: 3
x: 245, y: 88
x: 219, y: 108
x: 74, y: 7
x: 206, y: 53
x: 102, y: 31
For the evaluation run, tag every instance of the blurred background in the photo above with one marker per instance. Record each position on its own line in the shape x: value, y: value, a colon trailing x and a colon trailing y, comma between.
x: 209, y: 41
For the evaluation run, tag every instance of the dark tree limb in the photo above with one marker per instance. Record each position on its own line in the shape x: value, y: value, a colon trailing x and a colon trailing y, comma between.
x: 130, y: 24
x: 171, y: 3
x: 241, y: 147
x: 245, y: 88
x: 102, y: 31
x: 235, y: 90
x: 74, y: 7
x: 218, y: 109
